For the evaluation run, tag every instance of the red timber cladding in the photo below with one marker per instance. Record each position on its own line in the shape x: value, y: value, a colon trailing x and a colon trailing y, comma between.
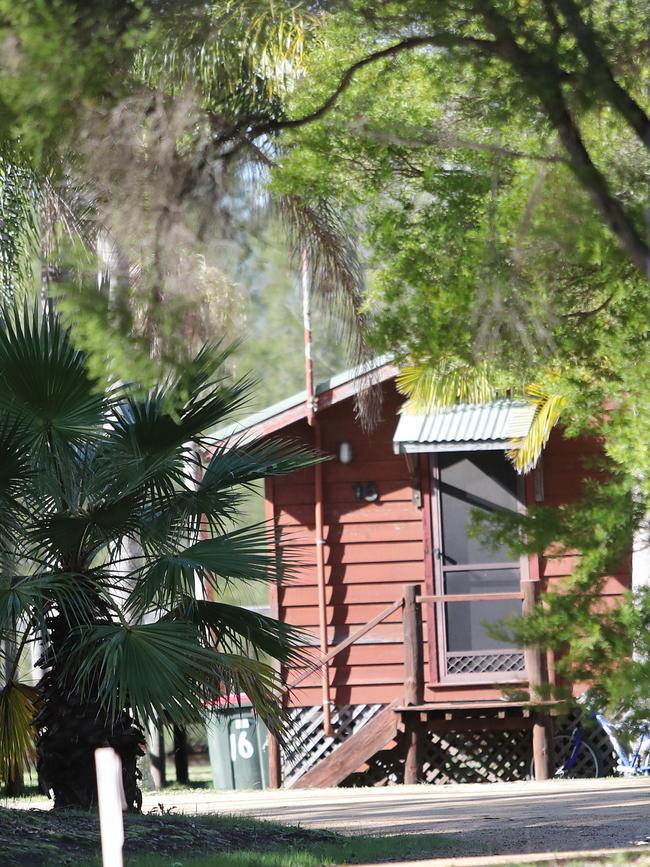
x: 567, y: 463
x: 371, y: 550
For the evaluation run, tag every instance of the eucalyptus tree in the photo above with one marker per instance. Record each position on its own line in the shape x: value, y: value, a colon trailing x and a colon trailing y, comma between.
x: 85, y: 470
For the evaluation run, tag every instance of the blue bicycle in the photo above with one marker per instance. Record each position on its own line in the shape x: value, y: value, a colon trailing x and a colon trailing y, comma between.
x: 575, y: 757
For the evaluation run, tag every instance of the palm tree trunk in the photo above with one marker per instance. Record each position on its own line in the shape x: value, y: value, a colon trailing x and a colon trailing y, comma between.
x: 70, y: 729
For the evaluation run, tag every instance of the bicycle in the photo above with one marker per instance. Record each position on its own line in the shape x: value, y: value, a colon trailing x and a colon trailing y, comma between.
x: 575, y: 757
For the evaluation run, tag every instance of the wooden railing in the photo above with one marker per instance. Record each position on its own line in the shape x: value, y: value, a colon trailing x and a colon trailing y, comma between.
x: 535, y: 665
x: 414, y: 680
x: 347, y: 642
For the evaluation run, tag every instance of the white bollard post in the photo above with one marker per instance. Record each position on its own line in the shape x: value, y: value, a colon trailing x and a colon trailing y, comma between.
x: 111, y: 801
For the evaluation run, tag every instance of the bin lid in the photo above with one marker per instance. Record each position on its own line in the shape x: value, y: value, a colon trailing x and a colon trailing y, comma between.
x: 230, y: 700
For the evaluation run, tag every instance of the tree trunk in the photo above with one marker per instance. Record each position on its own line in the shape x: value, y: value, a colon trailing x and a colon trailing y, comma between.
x: 180, y: 755
x: 156, y: 755
x: 69, y: 731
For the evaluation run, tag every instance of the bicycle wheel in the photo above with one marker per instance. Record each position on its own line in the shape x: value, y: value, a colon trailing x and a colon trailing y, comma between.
x: 644, y: 764
x: 586, y: 764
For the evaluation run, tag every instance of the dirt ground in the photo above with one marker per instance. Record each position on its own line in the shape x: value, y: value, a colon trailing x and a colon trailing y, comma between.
x: 482, y: 820
x: 558, y: 816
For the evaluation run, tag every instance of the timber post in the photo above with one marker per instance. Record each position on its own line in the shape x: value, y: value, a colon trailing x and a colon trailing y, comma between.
x: 275, y: 762
x: 537, y: 672
x: 413, y: 679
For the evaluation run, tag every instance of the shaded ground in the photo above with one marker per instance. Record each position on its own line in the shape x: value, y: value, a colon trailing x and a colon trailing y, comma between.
x: 39, y: 837
x: 480, y: 820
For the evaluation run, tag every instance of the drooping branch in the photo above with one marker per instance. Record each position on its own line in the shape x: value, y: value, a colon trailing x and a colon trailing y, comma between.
x: 543, y: 76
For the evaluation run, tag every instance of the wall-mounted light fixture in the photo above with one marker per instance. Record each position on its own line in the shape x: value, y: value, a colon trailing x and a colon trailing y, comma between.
x: 345, y: 452
x: 367, y: 491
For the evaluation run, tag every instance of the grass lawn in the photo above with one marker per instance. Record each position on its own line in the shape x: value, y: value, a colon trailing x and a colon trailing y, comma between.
x: 35, y: 838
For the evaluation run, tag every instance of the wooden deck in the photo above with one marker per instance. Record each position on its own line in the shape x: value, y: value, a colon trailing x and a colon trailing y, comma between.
x: 476, y: 705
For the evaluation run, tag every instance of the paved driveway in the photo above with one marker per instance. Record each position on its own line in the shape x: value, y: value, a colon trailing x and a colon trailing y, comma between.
x: 481, y: 819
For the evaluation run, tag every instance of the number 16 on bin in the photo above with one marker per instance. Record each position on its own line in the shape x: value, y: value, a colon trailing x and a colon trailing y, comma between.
x: 239, y: 743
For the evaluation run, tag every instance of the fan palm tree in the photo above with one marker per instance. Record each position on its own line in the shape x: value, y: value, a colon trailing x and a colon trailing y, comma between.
x: 125, y: 640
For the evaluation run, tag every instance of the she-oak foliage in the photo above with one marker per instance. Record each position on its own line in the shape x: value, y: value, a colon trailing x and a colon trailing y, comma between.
x: 108, y: 542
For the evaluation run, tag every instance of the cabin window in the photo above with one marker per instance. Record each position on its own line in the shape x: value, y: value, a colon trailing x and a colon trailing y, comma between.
x: 470, y: 567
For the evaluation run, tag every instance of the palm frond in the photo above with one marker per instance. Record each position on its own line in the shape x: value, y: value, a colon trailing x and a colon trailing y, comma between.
x: 44, y: 380
x: 237, y: 630
x: 548, y: 409
x: 18, y: 705
x: 16, y: 472
x: 430, y: 386
x: 75, y: 537
x: 261, y: 683
x: 239, y: 57
x: 160, y: 670
x: 150, y: 432
x: 246, y: 554
x: 215, y: 502
x: 316, y: 229
x: 32, y: 598
x: 237, y: 463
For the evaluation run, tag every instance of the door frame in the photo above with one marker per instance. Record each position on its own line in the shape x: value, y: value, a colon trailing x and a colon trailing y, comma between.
x: 436, y: 633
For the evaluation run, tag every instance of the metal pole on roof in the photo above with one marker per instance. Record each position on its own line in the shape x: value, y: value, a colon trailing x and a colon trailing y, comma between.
x: 313, y: 421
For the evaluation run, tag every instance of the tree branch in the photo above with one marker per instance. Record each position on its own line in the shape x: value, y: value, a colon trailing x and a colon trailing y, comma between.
x: 594, y: 182
x: 424, y: 138
x: 617, y: 96
x: 543, y: 80
x: 440, y: 40
x: 583, y: 314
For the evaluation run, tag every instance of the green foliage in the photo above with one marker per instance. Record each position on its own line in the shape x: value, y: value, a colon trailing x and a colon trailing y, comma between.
x: 57, y: 60
x: 18, y: 703
x: 102, y: 520
x: 598, y: 641
x: 493, y: 157
x: 18, y: 203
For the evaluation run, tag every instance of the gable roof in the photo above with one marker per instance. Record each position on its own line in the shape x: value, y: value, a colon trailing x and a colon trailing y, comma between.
x: 327, y: 393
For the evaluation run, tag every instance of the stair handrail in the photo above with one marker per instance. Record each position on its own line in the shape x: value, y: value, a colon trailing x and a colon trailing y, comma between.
x: 347, y: 642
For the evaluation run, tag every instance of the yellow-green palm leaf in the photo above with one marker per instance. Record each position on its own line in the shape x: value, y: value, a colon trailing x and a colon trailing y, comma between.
x: 17, y: 734
x: 548, y: 408
x: 446, y: 383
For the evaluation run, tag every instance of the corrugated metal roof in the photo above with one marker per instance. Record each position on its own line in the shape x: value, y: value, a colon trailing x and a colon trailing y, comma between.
x: 465, y: 427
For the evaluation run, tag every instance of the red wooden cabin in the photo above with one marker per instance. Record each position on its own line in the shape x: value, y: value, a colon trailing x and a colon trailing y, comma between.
x: 395, y: 506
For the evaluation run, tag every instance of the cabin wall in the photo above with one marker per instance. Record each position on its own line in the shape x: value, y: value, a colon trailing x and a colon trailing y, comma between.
x: 373, y: 549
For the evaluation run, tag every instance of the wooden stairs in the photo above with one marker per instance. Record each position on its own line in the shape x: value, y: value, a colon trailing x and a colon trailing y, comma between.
x: 357, y: 749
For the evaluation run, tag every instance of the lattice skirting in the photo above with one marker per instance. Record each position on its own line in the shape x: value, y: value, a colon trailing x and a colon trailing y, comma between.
x: 307, y: 744
x: 473, y: 757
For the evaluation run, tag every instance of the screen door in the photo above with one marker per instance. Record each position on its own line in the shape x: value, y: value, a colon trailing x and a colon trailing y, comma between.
x: 484, y: 576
